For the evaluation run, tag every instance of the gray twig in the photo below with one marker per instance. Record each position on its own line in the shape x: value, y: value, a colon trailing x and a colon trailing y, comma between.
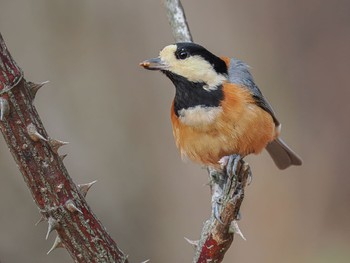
x: 177, y: 20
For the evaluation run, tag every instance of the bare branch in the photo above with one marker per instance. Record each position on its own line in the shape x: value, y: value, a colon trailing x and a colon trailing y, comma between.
x: 59, y: 200
x: 177, y: 20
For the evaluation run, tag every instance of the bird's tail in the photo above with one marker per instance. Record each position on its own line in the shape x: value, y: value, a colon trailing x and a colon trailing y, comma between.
x: 282, y: 155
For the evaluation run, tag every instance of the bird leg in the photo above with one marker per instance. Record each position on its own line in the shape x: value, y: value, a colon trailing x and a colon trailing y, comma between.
x: 217, y: 180
x: 232, y: 164
x: 222, y: 182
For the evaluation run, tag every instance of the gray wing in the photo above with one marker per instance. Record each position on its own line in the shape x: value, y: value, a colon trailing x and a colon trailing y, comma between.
x: 238, y: 73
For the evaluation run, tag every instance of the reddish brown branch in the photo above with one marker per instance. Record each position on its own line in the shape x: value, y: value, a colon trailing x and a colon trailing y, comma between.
x: 60, y: 201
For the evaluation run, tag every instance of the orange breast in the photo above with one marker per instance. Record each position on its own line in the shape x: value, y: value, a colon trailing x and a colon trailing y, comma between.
x: 241, y: 127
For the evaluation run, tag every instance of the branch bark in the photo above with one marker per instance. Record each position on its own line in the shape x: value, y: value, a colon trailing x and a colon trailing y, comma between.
x: 216, y: 237
x: 60, y: 201
x: 178, y: 21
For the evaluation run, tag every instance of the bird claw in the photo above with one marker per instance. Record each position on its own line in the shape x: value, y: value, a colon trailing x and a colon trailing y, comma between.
x: 225, y: 183
x: 223, y: 161
x: 232, y: 164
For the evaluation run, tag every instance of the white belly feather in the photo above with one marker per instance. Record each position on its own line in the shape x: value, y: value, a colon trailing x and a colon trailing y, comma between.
x: 199, y: 115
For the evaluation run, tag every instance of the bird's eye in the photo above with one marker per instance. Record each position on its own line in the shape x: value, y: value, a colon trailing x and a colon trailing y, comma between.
x: 183, y: 54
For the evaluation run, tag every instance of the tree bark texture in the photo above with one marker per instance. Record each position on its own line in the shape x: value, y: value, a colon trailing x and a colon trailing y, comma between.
x: 178, y: 21
x: 60, y: 201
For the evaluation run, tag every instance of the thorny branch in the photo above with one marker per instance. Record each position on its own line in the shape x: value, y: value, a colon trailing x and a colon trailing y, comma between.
x: 216, y: 237
x: 60, y: 201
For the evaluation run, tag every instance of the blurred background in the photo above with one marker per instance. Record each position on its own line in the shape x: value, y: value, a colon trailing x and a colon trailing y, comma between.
x: 116, y: 117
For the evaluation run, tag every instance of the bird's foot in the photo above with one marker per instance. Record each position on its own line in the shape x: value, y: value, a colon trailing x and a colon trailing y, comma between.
x: 216, y: 181
x: 224, y: 183
x: 232, y: 165
x: 223, y: 161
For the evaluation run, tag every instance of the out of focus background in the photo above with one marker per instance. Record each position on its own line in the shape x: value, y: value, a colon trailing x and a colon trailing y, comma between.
x: 116, y: 116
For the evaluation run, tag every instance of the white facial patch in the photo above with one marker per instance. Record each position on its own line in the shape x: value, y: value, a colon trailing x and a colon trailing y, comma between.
x: 193, y: 68
x: 199, y: 115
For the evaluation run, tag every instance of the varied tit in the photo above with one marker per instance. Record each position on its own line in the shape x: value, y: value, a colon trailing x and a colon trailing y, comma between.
x: 218, y: 110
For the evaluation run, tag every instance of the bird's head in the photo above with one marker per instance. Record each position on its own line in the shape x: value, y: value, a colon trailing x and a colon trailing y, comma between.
x: 191, y: 62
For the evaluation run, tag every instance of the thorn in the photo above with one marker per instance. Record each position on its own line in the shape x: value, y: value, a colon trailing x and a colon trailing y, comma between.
x: 234, y: 229
x: 84, y: 188
x: 63, y: 156
x: 57, y: 244
x: 72, y: 207
x: 4, y: 108
x: 194, y: 243
x: 41, y: 219
x: 34, y: 87
x: 34, y: 134
x: 56, y: 144
x: 53, y: 224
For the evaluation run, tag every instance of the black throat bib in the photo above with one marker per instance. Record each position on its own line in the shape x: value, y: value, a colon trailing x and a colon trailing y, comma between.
x: 191, y: 94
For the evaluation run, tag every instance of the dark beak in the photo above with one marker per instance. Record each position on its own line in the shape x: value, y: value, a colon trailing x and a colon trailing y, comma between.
x: 154, y: 64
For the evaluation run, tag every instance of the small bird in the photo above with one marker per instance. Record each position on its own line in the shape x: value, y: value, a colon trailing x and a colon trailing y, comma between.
x: 218, y: 110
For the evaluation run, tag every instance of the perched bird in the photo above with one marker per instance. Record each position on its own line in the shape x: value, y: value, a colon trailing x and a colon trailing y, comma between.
x: 218, y: 110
